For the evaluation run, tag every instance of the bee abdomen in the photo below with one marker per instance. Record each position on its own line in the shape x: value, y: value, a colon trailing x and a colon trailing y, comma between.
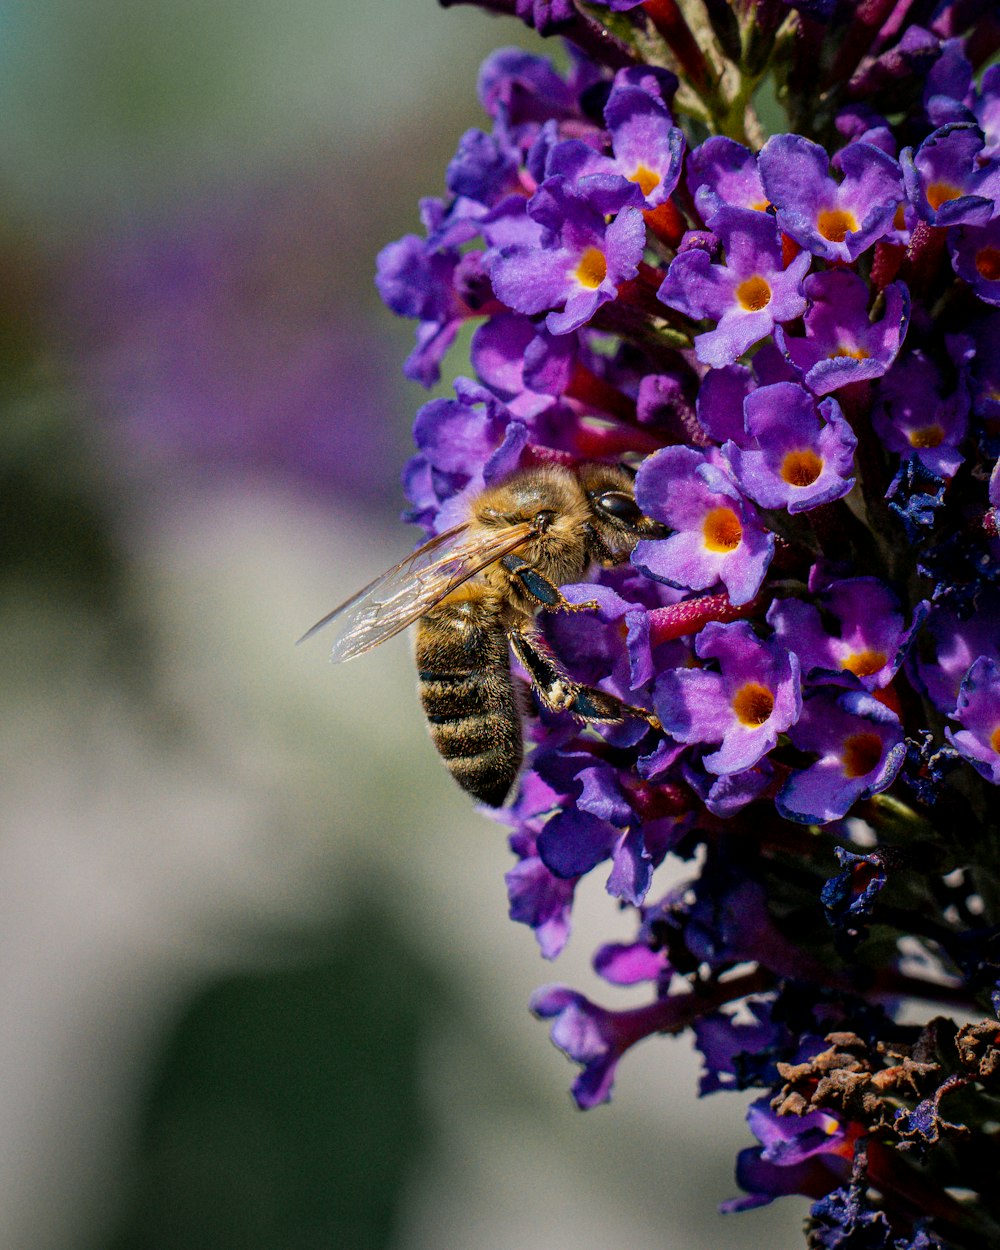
x: 468, y: 695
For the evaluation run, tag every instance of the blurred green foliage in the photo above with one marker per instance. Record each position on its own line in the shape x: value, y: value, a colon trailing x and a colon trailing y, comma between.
x: 286, y: 1112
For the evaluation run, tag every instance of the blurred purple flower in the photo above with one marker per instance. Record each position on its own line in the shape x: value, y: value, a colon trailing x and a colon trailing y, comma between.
x: 978, y: 712
x: 209, y: 344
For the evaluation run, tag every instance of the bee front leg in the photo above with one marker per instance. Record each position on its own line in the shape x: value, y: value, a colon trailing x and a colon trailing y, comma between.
x: 560, y: 693
x: 537, y: 585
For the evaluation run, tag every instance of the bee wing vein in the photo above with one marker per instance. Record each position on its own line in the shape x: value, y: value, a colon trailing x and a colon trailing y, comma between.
x: 405, y: 592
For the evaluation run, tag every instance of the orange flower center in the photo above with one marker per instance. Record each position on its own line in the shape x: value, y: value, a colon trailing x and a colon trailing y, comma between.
x: 988, y: 263
x: 835, y: 223
x: 939, y: 193
x: 801, y: 468
x: 861, y: 754
x: 647, y: 178
x: 995, y: 739
x: 863, y: 663
x: 899, y: 216
x: 927, y: 436
x: 722, y: 530
x: 855, y: 353
x: 753, y: 704
x: 754, y: 293
x: 760, y: 206
x: 592, y: 269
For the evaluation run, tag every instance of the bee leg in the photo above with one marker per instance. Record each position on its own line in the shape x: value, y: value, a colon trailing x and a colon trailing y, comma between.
x: 538, y: 586
x: 560, y: 693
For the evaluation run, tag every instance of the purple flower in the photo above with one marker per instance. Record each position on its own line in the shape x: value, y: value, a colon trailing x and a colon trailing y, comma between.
x: 537, y: 897
x: 945, y: 180
x: 722, y: 172
x: 975, y: 255
x: 804, y: 1154
x: 574, y: 841
x: 541, y: 900
x: 580, y: 265
x: 845, y: 1218
x: 465, y: 444
x: 484, y: 168
x: 630, y: 963
x: 860, y: 124
x: 984, y: 367
x: 796, y: 461
x: 914, y: 418
x: 521, y: 91
x: 852, y: 891
x: 985, y: 105
x: 727, y: 1044
x: 596, y: 1038
x: 499, y: 354
x: 591, y: 645
x: 871, y: 638
x: 718, y: 535
x: 954, y: 643
x: 647, y: 147
x: 842, y: 345
x: 860, y: 747
x: 720, y: 403
x: 730, y: 793
x: 865, y: 396
x: 753, y: 697
x: 416, y: 279
x: 601, y: 817
x: 837, y: 221
x: 597, y: 825
x: 747, y: 296
x: 978, y: 712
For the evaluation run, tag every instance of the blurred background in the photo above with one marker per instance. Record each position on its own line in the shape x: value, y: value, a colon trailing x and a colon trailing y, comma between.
x: 258, y: 985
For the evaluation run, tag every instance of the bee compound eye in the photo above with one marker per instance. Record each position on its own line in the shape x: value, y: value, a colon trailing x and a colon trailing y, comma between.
x: 615, y: 503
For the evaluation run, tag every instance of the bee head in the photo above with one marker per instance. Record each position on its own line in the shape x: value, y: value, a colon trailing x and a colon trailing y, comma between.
x: 617, y: 520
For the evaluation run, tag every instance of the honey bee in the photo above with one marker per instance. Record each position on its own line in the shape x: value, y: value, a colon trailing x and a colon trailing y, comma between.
x: 474, y: 591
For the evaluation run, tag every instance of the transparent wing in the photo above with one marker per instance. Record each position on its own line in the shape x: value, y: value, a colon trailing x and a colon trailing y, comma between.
x: 399, y: 596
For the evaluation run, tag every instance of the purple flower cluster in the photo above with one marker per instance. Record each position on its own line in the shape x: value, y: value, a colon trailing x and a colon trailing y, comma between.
x: 792, y: 341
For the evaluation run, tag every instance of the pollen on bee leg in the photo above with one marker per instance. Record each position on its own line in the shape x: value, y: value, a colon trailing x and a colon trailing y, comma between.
x: 559, y: 695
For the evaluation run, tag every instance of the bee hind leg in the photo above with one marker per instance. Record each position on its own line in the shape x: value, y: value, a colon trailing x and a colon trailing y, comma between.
x: 560, y: 693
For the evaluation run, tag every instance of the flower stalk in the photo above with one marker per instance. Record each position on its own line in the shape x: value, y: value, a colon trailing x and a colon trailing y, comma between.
x: 791, y: 341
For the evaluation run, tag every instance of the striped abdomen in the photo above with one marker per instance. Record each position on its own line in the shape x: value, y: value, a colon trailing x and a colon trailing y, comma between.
x: 466, y: 687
